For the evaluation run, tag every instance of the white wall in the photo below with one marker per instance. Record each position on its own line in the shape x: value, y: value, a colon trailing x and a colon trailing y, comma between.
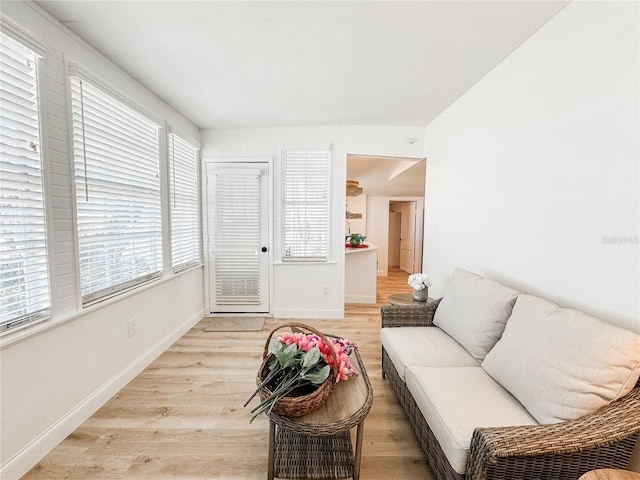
x: 56, y: 374
x: 535, y: 169
x: 358, y: 205
x: 298, y: 288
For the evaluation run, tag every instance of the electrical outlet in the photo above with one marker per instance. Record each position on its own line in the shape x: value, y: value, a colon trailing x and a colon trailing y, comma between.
x: 325, y: 289
x: 133, y: 328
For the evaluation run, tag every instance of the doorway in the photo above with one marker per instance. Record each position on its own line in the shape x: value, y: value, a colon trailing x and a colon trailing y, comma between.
x: 237, y: 237
x: 405, y: 239
x: 385, y: 180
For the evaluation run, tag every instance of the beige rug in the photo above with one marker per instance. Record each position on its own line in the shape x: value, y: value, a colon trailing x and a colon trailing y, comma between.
x: 235, y: 324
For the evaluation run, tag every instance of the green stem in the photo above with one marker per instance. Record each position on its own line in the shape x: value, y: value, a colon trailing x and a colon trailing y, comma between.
x: 292, y: 380
x: 289, y: 383
x: 270, y: 376
x: 288, y: 377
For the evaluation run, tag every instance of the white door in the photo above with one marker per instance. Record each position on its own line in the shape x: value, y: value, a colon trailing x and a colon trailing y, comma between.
x: 407, y: 236
x: 238, y: 237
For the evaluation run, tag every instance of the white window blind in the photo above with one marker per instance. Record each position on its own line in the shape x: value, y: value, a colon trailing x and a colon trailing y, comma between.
x: 185, y: 221
x: 305, y: 183
x: 24, y: 282
x: 116, y: 158
x: 236, y: 243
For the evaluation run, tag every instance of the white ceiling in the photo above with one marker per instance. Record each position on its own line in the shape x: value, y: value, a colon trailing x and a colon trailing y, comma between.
x: 388, y: 176
x: 290, y: 63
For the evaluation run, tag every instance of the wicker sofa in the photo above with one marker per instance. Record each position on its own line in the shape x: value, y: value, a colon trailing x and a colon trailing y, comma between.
x: 498, y: 408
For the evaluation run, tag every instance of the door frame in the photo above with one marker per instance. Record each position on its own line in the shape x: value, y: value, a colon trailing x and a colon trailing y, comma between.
x: 394, y: 244
x: 383, y: 253
x: 205, y: 224
x: 405, y: 215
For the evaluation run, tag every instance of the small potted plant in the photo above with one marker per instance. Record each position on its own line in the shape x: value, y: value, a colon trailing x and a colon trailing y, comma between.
x: 420, y: 282
x: 355, y: 239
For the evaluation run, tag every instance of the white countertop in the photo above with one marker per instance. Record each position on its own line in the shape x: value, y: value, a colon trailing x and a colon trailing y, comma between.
x: 357, y: 250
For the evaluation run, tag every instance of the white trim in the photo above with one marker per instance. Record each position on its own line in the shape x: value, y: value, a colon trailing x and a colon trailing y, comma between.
x: 23, y: 35
x: 184, y: 135
x: 164, y: 170
x: 201, y: 182
x: 360, y: 299
x: 204, y: 160
x: 170, y: 135
x: 34, y: 451
x: 255, y: 172
x: 313, y: 147
x: 305, y: 262
x: 382, y: 269
x: 72, y: 176
x: 47, y: 198
x: 94, y: 95
x: 76, y: 70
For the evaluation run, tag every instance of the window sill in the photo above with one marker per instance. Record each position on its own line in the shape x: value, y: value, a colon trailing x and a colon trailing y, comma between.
x: 331, y: 262
x: 12, y: 338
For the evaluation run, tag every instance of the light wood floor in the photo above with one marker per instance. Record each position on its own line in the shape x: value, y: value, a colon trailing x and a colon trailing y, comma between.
x: 182, y: 417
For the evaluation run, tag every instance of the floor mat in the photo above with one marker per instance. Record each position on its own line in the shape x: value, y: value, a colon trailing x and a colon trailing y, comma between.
x: 235, y: 324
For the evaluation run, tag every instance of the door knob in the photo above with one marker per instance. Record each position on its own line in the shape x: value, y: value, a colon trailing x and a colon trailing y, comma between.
x: 264, y: 249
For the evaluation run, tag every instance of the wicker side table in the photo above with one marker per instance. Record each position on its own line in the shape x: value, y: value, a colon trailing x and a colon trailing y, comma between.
x: 318, y: 445
x: 405, y: 300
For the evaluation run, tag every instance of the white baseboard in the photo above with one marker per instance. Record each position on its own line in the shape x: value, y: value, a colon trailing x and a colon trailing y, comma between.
x: 360, y: 299
x: 32, y: 453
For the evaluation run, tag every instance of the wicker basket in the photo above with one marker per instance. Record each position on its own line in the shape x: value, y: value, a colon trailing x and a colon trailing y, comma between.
x: 301, y: 405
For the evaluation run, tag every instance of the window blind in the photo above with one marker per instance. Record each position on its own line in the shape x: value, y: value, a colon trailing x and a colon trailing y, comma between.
x: 118, y: 206
x: 185, y: 221
x: 236, y: 242
x: 24, y: 282
x: 305, y: 204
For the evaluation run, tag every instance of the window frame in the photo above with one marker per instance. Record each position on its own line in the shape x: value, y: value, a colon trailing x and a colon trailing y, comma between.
x: 306, y: 149
x: 194, y: 262
x: 88, y: 299
x: 39, y: 52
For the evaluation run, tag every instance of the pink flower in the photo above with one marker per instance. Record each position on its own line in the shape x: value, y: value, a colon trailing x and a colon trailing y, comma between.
x: 307, y: 343
x: 341, y: 346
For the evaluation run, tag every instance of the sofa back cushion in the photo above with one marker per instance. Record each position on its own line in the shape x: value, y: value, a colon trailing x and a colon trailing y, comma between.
x: 474, y: 311
x: 562, y: 364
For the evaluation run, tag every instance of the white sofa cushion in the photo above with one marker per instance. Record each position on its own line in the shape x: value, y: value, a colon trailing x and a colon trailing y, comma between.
x: 424, y: 346
x: 474, y: 311
x: 560, y: 363
x: 454, y: 401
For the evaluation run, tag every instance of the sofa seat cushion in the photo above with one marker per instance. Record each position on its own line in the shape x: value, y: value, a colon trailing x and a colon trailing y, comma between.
x: 562, y: 364
x: 423, y: 346
x: 474, y: 311
x: 456, y: 400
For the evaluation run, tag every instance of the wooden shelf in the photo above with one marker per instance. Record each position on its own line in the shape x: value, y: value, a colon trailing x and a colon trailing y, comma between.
x: 354, y: 191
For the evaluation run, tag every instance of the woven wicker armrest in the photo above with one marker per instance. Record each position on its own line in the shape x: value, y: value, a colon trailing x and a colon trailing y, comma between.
x: 409, y: 316
x: 605, y: 438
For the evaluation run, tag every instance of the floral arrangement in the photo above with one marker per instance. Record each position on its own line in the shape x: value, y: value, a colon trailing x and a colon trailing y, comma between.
x: 419, y: 281
x: 299, y: 364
